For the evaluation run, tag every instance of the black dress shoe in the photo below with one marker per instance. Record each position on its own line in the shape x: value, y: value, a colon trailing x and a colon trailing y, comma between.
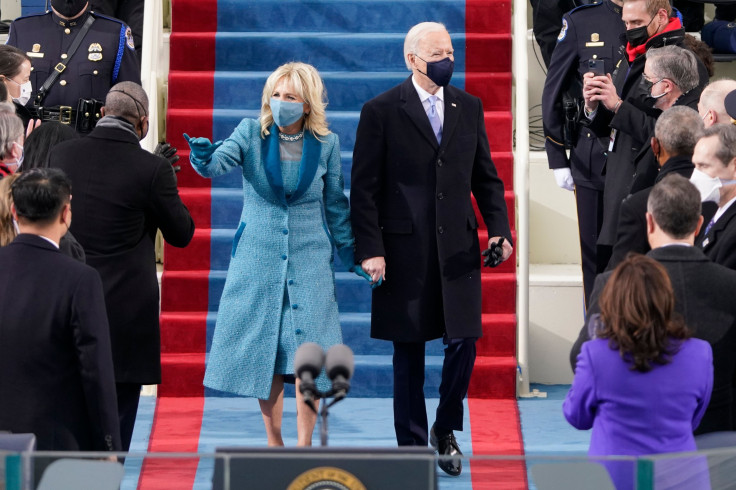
x: 446, y: 446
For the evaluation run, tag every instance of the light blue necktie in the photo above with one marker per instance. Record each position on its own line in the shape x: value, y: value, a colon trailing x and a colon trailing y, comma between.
x: 434, y: 118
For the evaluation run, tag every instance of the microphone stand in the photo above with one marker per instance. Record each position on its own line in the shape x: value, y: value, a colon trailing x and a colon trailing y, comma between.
x: 325, y: 410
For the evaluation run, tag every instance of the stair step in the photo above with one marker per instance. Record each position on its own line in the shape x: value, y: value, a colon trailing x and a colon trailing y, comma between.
x: 327, y: 51
x: 211, y: 248
x: 221, y: 123
x: 373, y: 377
x: 201, y: 291
x: 188, y: 178
x: 347, y: 91
x: 493, y: 377
x: 350, y: 16
x: 191, y: 332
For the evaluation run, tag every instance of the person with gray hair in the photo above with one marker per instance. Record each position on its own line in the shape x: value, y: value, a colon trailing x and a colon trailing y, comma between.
x: 715, y: 177
x: 122, y: 194
x: 670, y: 72
x: 711, y: 106
x: 11, y: 140
x: 421, y: 148
x: 675, y: 135
x: 703, y: 290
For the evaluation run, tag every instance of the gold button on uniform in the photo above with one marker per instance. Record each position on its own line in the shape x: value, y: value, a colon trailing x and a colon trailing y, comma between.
x: 94, y: 72
x: 67, y: 31
x: 62, y: 83
x: 63, y: 56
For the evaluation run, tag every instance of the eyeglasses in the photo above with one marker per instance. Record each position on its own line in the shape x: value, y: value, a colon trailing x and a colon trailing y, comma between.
x: 649, y: 82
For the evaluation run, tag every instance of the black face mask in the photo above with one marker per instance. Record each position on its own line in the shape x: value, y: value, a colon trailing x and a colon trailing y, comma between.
x: 68, y: 8
x: 638, y: 35
x: 440, y: 72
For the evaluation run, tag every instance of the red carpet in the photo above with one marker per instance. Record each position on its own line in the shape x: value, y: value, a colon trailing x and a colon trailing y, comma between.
x: 176, y: 426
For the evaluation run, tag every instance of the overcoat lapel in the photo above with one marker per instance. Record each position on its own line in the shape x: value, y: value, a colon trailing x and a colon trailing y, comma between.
x: 452, y: 115
x: 414, y: 109
x: 272, y: 164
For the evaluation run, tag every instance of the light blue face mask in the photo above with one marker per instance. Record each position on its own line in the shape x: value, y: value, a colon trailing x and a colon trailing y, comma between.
x: 286, y: 113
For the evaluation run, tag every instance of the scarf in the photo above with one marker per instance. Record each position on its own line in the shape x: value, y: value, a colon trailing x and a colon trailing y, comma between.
x: 117, y: 123
x: 633, y: 53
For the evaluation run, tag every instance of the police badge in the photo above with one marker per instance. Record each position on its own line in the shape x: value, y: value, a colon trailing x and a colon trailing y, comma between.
x: 129, y: 38
x: 95, y: 52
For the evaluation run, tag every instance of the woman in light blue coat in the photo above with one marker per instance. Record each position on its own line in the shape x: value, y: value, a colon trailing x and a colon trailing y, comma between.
x: 280, y: 286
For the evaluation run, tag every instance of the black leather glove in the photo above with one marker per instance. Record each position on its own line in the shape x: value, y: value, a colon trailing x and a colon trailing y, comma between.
x: 494, y: 255
x: 168, y: 152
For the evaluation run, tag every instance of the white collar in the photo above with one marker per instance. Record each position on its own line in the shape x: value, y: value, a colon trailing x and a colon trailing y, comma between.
x: 424, y: 95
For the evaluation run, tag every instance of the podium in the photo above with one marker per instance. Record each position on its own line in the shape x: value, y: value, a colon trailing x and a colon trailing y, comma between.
x: 325, y: 468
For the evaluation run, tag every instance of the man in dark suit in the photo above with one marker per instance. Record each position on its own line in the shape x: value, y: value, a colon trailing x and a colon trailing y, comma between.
x: 715, y: 173
x: 421, y: 148
x: 703, y: 290
x: 122, y: 194
x: 675, y: 135
x: 56, y: 373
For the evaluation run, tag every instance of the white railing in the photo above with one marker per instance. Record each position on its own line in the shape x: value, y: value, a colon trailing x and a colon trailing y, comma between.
x: 520, y: 72
x: 152, y: 46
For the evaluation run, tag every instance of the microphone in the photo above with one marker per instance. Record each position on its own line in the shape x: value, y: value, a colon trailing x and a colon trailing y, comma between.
x: 308, y: 362
x: 339, y: 365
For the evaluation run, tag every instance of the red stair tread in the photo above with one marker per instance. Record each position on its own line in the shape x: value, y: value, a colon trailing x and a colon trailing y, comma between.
x: 499, y: 335
x: 493, y: 377
x: 183, y: 332
x: 498, y: 292
x: 182, y: 374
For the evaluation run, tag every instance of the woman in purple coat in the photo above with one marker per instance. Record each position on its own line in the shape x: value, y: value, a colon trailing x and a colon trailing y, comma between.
x: 642, y: 384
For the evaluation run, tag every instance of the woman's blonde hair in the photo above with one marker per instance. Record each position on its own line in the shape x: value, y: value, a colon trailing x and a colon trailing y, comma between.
x: 307, y: 83
x: 7, y: 230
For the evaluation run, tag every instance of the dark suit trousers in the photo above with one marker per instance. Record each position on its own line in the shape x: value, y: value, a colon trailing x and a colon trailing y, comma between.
x: 410, y: 412
x: 590, y: 218
x: 129, y: 395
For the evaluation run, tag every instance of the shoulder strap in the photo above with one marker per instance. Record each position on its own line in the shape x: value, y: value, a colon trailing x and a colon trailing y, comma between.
x: 60, y: 67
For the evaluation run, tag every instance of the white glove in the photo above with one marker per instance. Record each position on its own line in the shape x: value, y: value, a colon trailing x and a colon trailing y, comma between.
x: 563, y: 176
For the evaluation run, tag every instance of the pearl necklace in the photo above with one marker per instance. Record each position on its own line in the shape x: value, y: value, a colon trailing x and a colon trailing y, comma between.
x: 291, y: 137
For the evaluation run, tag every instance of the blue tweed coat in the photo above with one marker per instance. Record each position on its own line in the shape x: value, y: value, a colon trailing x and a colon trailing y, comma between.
x: 282, y: 245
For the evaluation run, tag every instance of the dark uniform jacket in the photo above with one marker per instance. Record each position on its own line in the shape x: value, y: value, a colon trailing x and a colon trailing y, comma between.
x: 704, y: 297
x: 632, y: 222
x: 105, y: 57
x: 633, y: 124
x: 590, y: 32
x: 122, y: 194
x: 411, y: 203
x: 56, y: 373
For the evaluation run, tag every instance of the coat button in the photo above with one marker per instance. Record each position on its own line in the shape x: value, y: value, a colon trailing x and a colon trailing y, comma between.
x: 291, y: 281
x: 285, y: 231
x: 283, y: 257
x: 67, y: 31
x: 95, y: 72
x: 440, y: 229
x: 294, y: 306
x: 298, y: 331
x: 440, y: 196
x: 439, y: 162
x: 64, y: 56
x: 62, y: 83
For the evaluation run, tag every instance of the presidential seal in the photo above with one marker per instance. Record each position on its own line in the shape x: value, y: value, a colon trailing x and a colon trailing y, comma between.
x: 326, y: 478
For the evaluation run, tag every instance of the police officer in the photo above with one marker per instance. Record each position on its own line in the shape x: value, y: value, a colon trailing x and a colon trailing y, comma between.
x: 76, y: 56
x: 590, y: 39
x: 547, y: 20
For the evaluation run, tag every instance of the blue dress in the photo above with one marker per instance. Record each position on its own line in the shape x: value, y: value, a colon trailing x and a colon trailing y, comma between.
x: 280, y: 286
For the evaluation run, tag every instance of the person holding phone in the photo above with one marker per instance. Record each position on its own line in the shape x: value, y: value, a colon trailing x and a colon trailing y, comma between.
x: 589, y: 41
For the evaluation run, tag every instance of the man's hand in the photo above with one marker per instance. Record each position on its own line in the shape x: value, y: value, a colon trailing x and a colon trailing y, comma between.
x: 563, y: 176
x: 165, y: 150
x: 375, y: 267
x: 597, y: 89
x: 506, y: 246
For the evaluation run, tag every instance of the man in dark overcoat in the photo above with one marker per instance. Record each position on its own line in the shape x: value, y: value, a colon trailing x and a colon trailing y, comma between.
x: 56, y: 373
x: 421, y: 149
x: 122, y: 194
